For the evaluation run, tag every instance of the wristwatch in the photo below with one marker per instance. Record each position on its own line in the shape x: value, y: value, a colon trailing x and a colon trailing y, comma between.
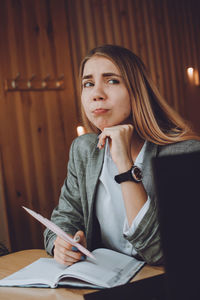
x: 134, y: 174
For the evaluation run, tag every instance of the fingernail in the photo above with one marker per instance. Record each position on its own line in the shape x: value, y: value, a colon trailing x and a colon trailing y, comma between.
x: 74, y: 249
x: 77, y: 238
x: 82, y: 257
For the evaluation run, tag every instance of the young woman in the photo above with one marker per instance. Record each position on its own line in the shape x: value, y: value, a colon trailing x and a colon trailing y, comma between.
x: 108, y: 198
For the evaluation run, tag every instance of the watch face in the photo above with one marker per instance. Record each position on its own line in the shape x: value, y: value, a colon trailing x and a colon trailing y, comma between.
x: 136, y: 173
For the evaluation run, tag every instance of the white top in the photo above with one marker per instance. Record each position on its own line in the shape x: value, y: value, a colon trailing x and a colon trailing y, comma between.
x: 110, y: 209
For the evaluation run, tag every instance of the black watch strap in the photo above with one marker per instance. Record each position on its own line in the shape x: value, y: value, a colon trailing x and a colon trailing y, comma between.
x: 126, y: 176
x: 134, y: 174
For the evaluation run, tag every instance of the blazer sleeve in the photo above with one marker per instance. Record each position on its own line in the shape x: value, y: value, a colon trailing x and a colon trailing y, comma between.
x: 146, y: 238
x: 68, y: 214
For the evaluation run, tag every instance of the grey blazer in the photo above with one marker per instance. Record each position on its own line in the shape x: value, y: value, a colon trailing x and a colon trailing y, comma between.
x: 75, y: 210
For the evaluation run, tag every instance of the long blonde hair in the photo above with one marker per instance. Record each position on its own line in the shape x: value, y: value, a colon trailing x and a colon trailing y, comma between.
x: 153, y: 119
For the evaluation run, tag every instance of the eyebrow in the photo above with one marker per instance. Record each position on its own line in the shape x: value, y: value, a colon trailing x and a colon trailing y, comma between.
x: 104, y: 75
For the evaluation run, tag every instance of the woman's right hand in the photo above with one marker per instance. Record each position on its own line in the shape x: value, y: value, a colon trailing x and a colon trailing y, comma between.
x: 67, y: 254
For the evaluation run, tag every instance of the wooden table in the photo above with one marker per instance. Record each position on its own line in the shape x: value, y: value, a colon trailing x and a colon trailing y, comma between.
x: 13, y: 262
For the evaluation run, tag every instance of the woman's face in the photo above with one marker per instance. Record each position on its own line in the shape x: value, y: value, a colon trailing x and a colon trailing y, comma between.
x: 104, y: 97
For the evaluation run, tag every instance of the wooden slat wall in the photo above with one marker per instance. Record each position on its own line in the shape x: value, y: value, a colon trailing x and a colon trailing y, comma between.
x: 36, y: 127
x: 51, y: 37
x: 165, y: 34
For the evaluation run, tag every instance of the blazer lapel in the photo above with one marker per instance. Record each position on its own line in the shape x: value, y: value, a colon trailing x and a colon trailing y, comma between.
x: 93, y: 173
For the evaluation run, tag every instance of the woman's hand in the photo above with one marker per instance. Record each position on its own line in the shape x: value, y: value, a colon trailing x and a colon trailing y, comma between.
x: 120, y: 137
x: 67, y: 254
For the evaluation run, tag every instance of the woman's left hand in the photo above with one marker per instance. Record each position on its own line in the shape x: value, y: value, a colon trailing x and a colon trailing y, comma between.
x: 120, y: 144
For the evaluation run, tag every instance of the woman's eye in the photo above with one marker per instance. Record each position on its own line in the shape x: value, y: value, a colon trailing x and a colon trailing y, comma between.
x: 113, y: 81
x: 87, y: 84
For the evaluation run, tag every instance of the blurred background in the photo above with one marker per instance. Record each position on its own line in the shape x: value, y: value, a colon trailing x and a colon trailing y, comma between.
x: 41, y: 45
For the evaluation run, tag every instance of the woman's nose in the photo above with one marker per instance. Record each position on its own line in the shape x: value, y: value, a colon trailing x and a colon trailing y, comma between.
x: 96, y: 98
x: 98, y: 94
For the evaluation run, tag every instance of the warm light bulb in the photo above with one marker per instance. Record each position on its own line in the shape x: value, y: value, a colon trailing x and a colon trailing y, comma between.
x: 193, y: 76
x: 80, y: 130
x: 190, y: 72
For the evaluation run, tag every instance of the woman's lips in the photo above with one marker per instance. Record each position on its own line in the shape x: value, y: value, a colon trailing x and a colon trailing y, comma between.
x: 99, y: 111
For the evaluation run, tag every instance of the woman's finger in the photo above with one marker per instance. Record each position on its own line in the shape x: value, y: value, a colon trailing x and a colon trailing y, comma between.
x: 67, y: 254
x: 80, y: 238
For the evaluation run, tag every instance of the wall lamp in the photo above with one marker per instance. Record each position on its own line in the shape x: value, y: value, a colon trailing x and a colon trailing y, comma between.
x: 80, y: 130
x: 193, y: 76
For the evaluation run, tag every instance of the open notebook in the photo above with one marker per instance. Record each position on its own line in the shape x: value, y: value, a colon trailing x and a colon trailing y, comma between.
x: 109, y: 269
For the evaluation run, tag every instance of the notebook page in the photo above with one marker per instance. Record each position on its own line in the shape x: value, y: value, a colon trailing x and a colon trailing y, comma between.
x: 43, y: 271
x: 109, y: 269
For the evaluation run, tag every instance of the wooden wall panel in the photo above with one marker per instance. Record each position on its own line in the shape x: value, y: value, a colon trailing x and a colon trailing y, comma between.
x: 36, y: 127
x: 163, y: 33
x: 51, y: 37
